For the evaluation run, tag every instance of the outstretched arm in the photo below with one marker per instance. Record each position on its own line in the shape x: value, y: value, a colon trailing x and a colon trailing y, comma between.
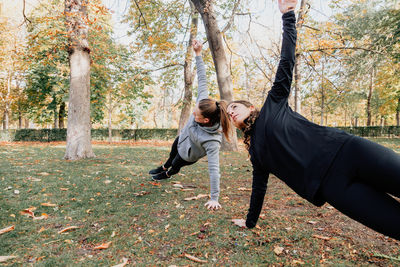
x: 212, y: 149
x: 201, y: 72
x: 284, y: 74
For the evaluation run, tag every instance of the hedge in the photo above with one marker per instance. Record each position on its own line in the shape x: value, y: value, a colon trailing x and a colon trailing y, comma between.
x: 48, y: 135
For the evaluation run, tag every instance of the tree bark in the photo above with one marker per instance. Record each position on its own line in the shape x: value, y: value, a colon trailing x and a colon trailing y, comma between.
x: 110, y: 118
x: 369, y: 115
x: 61, y: 115
x: 79, y: 126
x: 214, y: 36
x: 398, y: 113
x: 188, y: 73
x: 297, y: 76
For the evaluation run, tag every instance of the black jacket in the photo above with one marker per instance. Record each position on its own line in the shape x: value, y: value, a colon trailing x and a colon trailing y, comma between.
x: 285, y: 143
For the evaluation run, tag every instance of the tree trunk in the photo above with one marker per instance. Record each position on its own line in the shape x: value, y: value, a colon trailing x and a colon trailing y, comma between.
x: 55, y: 118
x: 7, y: 104
x: 79, y: 126
x: 19, y: 119
x: 26, y: 123
x: 188, y: 73
x: 61, y: 115
x: 214, y: 36
x: 398, y: 113
x: 369, y: 115
x: 109, y: 119
x: 322, y: 95
x: 297, y: 77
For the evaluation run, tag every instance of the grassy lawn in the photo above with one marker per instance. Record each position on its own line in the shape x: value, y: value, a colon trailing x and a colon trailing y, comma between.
x: 111, y: 199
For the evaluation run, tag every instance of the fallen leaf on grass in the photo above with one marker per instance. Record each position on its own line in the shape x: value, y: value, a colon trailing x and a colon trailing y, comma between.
x: 124, y: 262
x: 49, y: 205
x: 312, y: 222
x: 178, y: 186
x: 103, y: 246
x: 155, y: 183
x: 44, y: 173
x: 64, y: 189
x: 43, y: 216
x: 278, y: 250
x: 6, y: 258
x: 322, y: 237
x: 7, y: 229
x: 28, y: 212
x: 68, y: 229
x: 196, y: 197
x: 193, y: 258
x: 298, y: 262
x: 244, y: 189
x: 141, y: 193
x: 34, y: 179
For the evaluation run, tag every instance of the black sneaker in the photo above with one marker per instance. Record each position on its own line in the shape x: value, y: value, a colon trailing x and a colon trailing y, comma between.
x: 157, y: 170
x: 161, y: 176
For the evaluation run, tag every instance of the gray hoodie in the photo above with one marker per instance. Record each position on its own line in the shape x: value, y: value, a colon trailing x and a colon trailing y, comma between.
x: 196, y: 141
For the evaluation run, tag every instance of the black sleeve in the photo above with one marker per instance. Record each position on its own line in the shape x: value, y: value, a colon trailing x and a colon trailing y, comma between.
x: 284, y: 74
x: 259, y: 187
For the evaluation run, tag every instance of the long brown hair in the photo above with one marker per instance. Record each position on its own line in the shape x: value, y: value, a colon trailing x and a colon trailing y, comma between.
x: 215, y: 111
x: 248, y: 123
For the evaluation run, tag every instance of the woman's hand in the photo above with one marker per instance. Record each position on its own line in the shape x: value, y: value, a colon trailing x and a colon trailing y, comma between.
x: 212, y: 205
x: 287, y: 5
x: 239, y: 222
x: 197, y: 46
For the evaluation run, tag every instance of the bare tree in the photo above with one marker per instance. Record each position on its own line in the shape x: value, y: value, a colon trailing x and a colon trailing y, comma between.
x: 215, y: 41
x: 188, y: 73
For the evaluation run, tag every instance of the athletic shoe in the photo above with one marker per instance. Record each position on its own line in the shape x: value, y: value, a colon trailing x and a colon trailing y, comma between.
x: 161, y: 176
x: 157, y: 170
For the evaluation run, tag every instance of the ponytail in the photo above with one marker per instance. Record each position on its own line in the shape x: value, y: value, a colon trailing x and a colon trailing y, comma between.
x: 224, y: 118
x: 215, y: 111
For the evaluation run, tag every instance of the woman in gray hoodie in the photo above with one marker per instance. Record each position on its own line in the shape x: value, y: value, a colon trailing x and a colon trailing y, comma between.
x: 201, y: 136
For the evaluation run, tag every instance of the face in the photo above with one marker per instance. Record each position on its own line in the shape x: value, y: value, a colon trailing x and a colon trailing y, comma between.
x: 239, y: 113
x: 198, y: 117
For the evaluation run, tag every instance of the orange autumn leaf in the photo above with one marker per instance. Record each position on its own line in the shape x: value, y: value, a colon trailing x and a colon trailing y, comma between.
x: 7, y: 229
x: 103, y: 246
x: 68, y: 229
x: 28, y: 212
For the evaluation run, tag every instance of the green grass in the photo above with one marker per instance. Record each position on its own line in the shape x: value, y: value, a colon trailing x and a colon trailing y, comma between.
x: 111, y: 198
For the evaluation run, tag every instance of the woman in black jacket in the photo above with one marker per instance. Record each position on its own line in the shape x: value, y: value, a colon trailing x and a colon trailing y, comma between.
x: 321, y: 164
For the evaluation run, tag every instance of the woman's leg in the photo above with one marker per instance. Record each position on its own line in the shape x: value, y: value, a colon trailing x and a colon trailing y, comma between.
x: 377, y: 165
x: 172, y: 154
x: 358, y: 182
x: 168, y: 163
x: 177, y: 164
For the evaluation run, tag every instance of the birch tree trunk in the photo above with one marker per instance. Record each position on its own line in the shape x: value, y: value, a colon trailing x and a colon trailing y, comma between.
x: 214, y: 36
x: 188, y: 73
x: 79, y: 126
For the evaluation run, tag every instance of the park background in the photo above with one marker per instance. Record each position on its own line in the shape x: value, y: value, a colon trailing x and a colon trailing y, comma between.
x: 104, y: 210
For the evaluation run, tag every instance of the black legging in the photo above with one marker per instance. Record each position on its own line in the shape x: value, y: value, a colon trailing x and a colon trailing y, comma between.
x: 175, y: 161
x: 359, y: 183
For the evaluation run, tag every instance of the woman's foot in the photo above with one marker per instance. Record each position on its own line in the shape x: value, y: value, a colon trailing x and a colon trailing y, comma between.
x: 157, y: 170
x: 161, y: 176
